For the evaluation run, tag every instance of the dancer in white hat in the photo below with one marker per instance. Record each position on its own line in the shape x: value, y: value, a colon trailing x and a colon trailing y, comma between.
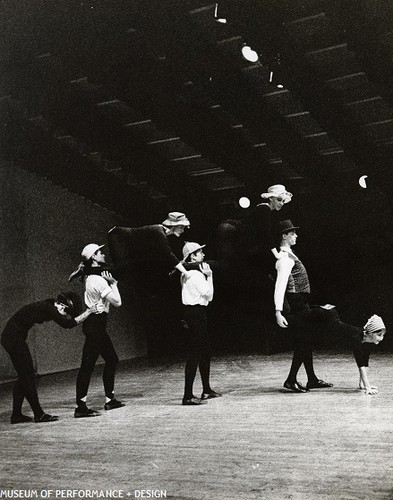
x: 130, y: 245
x: 100, y: 287
x: 276, y: 197
x: 197, y: 292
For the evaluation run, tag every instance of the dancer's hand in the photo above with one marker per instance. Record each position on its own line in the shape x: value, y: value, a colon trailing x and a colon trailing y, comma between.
x: 281, y: 321
x: 97, y: 308
x: 109, y: 278
x: 205, y: 269
x: 363, y: 388
x: 372, y: 391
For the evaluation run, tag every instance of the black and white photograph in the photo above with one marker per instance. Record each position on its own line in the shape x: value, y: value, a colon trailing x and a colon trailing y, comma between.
x: 197, y: 230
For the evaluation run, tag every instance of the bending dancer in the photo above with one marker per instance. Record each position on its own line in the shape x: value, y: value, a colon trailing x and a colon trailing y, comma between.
x: 362, y: 341
x: 128, y: 245
x: 197, y: 292
x: 13, y: 339
x: 372, y: 334
x: 292, y: 284
x: 101, y: 287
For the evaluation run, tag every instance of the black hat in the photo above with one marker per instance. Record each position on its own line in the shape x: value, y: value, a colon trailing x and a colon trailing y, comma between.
x: 285, y: 226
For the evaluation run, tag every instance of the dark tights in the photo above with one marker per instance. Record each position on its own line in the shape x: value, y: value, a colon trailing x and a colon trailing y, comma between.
x: 302, y: 354
x: 198, y: 349
x: 25, y: 386
x: 305, y: 322
x: 302, y: 324
x: 97, y: 344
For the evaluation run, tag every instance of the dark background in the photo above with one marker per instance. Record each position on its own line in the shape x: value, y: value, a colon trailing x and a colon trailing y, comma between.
x: 148, y: 107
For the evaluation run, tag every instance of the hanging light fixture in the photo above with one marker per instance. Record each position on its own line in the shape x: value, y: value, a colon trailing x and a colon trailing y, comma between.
x: 275, y: 72
x: 221, y: 20
x: 249, y: 54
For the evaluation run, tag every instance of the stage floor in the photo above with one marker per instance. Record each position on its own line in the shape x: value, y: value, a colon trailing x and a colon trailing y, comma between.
x: 256, y: 442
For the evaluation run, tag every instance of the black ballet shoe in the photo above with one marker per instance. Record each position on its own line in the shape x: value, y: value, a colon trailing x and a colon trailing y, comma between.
x: 318, y: 384
x: 193, y: 401
x: 113, y: 404
x: 45, y: 417
x: 210, y: 395
x: 85, y: 412
x: 295, y: 386
x: 20, y: 419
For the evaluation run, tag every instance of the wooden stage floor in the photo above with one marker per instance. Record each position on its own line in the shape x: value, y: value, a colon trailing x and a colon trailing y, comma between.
x: 256, y: 442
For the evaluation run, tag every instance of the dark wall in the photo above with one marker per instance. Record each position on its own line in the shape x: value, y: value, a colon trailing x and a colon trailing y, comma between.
x: 44, y: 229
x: 346, y: 232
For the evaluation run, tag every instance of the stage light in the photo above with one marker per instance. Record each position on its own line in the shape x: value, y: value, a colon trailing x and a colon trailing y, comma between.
x: 276, y: 73
x: 249, y: 54
x: 221, y: 20
x: 272, y: 77
x: 244, y: 202
x: 363, y: 182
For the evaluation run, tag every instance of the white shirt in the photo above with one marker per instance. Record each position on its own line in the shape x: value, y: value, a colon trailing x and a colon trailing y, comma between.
x: 97, y: 288
x: 197, y: 289
x: 284, y: 267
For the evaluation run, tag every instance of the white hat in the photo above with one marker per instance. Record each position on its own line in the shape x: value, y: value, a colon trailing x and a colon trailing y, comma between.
x: 90, y: 250
x: 176, y: 219
x: 373, y: 324
x: 191, y: 247
x: 276, y: 191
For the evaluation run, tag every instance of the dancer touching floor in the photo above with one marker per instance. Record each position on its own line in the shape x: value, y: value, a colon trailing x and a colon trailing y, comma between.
x: 362, y: 342
x: 372, y: 334
x: 292, y: 283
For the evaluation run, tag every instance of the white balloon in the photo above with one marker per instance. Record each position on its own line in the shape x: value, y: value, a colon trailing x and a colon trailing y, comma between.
x: 363, y: 182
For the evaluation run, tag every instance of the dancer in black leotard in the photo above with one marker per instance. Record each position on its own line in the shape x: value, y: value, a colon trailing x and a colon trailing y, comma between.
x: 13, y: 339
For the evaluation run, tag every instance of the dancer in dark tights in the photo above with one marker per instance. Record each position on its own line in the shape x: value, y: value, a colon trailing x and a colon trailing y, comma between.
x: 292, y: 284
x: 129, y: 246
x: 304, y: 320
x: 100, y: 287
x: 13, y: 339
x: 197, y: 292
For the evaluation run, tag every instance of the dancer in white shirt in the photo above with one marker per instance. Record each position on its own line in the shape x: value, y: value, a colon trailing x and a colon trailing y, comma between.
x: 293, y: 285
x: 197, y: 292
x: 100, y: 287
